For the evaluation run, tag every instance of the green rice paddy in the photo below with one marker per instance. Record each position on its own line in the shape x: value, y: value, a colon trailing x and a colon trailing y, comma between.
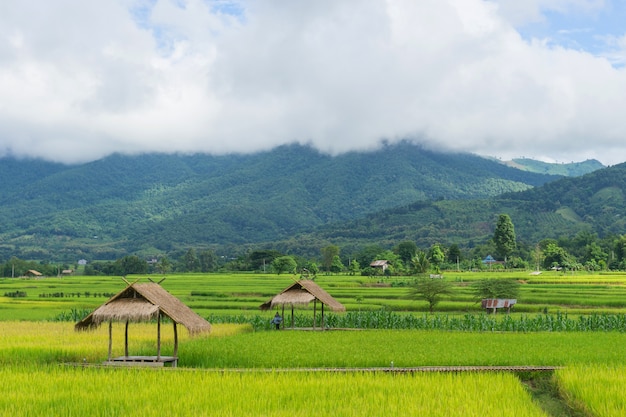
x: 237, y: 371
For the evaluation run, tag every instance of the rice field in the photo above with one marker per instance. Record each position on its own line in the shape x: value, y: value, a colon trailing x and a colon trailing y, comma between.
x: 598, y: 390
x: 69, y: 391
x: 237, y: 371
x: 242, y: 294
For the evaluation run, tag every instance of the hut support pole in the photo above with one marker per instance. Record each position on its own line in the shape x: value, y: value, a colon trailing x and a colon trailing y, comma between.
x: 126, y: 339
x: 110, y: 338
x: 293, y: 321
x: 175, y: 339
x: 323, y: 324
x: 314, y: 311
x: 159, y: 336
x: 283, y: 322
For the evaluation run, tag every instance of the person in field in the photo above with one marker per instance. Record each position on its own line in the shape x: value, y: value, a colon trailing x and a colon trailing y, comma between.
x: 277, y: 320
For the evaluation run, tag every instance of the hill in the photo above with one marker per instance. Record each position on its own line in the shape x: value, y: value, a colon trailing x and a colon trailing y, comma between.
x: 573, y: 169
x: 157, y: 203
x: 594, y: 203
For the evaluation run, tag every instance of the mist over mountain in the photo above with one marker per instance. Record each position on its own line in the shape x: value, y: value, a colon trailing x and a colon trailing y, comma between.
x: 158, y: 203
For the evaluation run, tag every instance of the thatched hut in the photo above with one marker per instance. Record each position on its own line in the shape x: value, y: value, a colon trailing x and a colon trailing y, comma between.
x: 302, y: 292
x: 145, y: 302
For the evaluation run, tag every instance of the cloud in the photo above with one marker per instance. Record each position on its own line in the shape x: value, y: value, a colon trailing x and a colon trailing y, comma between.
x: 81, y: 80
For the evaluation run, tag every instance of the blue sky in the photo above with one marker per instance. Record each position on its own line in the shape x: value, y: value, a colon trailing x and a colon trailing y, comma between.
x: 536, y: 78
x: 596, y: 30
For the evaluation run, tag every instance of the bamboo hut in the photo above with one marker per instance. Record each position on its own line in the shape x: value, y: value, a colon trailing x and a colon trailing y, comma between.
x: 303, y: 292
x: 144, y: 302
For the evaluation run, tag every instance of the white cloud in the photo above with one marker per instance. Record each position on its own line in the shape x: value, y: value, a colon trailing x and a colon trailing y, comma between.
x: 80, y: 80
x: 523, y: 12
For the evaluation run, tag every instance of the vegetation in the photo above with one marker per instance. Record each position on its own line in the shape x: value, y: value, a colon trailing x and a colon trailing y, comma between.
x: 255, y: 367
x: 604, y: 402
x: 105, y: 392
x: 504, y: 236
x: 573, y: 169
x: 431, y: 290
x: 164, y: 204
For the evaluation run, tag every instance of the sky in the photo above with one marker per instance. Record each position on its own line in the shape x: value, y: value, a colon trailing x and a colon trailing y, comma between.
x: 543, y: 79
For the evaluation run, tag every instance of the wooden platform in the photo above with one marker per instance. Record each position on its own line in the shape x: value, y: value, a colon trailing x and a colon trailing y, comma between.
x: 143, y: 361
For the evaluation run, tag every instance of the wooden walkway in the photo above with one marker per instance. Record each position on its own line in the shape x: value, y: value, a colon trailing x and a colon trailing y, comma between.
x: 400, y: 370
x: 150, y: 361
x: 157, y: 361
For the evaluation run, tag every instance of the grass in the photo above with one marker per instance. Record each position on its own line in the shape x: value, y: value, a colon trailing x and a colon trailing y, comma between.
x: 599, y: 390
x: 210, y: 380
x: 32, y: 347
x: 236, y: 346
x: 31, y: 391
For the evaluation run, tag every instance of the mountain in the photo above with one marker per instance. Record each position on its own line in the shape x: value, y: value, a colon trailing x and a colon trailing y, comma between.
x: 159, y: 203
x: 572, y: 169
x: 594, y: 203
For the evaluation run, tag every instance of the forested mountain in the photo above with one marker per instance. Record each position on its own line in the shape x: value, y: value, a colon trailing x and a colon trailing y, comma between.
x: 153, y: 204
x: 572, y: 169
x: 594, y: 203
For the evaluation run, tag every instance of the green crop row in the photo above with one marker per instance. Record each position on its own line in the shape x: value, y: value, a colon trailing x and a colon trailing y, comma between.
x: 65, y: 391
x: 384, y: 319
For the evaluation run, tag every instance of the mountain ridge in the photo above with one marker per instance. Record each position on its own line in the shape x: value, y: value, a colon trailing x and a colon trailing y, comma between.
x: 157, y: 203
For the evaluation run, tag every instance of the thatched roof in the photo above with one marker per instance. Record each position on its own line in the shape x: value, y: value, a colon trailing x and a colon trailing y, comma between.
x: 303, y: 292
x: 143, y: 302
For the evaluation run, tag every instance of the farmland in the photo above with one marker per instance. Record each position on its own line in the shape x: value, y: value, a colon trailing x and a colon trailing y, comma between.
x: 239, y: 371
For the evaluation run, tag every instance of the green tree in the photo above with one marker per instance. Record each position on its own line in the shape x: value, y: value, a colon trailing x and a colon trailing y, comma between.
x: 504, y: 236
x: 406, y: 251
x: 354, y: 267
x: 328, y: 256
x: 131, y: 264
x: 436, y: 256
x: 556, y: 256
x: 619, y: 249
x: 420, y: 262
x: 310, y: 267
x: 262, y: 259
x: 367, y: 254
x: 207, y: 261
x: 284, y: 264
x: 496, y: 288
x: 190, y: 261
x: 163, y: 266
x: 454, y: 254
x: 431, y: 290
x: 337, y: 266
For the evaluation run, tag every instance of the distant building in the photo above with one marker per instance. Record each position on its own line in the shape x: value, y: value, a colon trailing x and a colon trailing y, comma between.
x: 82, y: 262
x: 383, y: 264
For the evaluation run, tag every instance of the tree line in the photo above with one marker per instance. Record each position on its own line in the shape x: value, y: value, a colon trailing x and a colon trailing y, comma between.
x: 584, y: 251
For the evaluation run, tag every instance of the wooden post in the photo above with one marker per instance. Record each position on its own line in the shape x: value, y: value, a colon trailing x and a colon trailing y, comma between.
x: 323, y: 324
x: 283, y: 322
x: 293, y: 321
x: 314, y: 311
x: 175, y: 339
x: 159, y: 335
x: 126, y: 339
x: 110, y: 338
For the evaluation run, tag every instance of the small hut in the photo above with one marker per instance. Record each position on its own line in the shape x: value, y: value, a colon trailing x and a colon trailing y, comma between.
x: 303, y: 292
x: 144, y: 302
